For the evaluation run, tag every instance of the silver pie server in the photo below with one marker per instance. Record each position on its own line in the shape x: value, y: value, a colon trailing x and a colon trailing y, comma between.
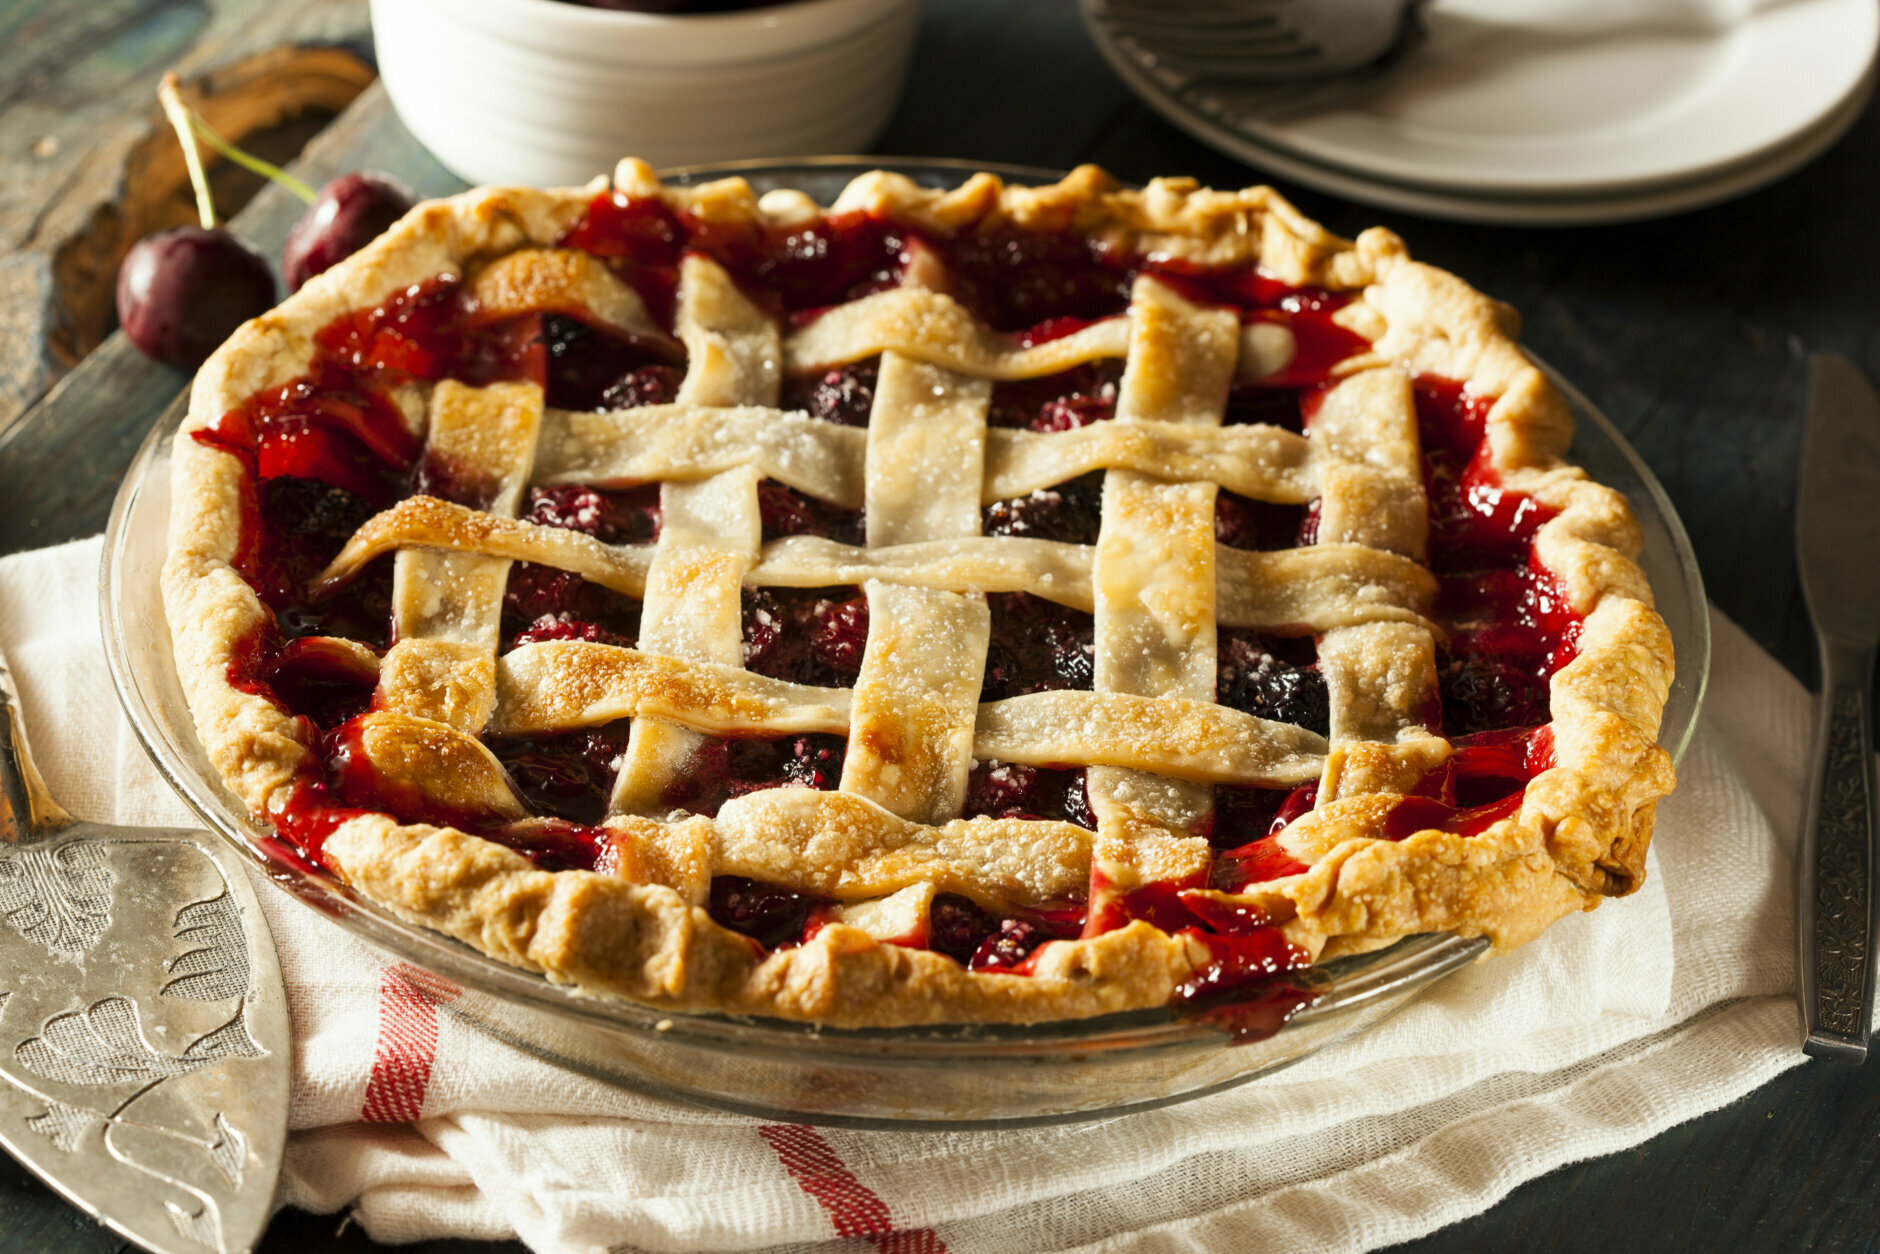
x: 144, y: 1049
x: 1837, y: 544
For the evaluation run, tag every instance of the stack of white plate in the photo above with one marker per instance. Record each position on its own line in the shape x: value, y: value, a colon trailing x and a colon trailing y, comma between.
x: 1554, y: 112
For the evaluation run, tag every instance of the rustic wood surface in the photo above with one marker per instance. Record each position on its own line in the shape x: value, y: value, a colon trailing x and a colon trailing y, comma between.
x: 1692, y: 333
x: 87, y: 165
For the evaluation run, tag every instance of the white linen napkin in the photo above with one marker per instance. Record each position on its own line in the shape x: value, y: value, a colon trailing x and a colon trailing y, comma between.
x: 1612, y: 1027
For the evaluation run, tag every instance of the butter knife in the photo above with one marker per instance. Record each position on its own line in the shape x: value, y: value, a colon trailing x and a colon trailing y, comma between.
x: 1837, y: 544
x: 144, y: 1050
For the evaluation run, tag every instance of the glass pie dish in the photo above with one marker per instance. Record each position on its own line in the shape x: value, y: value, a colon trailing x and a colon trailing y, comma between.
x: 959, y: 1075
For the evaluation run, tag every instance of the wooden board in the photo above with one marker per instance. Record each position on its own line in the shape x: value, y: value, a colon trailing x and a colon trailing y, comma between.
x: 90, y: 166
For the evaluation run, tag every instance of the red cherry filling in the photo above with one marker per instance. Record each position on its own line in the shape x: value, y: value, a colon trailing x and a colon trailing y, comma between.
x: 590, y: 368
x: 568, y: 775
x: 1243, y: 523
x: 1037, y: 646
x: 319, y: 679
x: 1011, y: 790
x: 1245, y: 822
x: 1242, y: 987
x: 724, y: 769
x: 787, y: 512
x: 1071, y: 512
x: 806, y: 635
x: 984, y: 940
x: 1058, y: 402
x: 773, y: 916
x: 1014, y: 280
x: 843, y: 396
x: 1272, y: 677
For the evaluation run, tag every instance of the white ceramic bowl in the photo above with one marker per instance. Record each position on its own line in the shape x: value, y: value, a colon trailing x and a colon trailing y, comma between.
x: 543, y: 93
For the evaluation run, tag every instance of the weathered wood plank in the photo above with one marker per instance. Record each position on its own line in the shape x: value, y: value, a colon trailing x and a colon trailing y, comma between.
x: 61, y: 463
x: 87, y: 167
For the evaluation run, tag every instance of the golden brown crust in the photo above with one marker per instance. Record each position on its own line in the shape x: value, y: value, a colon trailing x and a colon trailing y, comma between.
x: 1581, y: 831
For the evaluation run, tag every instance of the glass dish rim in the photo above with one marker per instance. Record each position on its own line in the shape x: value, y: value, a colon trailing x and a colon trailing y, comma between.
x: 1345, y: 983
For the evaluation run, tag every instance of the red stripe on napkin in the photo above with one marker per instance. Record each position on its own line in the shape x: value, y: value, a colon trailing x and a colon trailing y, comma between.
x: 854, y: 1208
x: 407, y: 1043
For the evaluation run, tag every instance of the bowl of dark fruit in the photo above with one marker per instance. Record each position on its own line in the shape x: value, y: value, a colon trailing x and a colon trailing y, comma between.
x: 551, y: 92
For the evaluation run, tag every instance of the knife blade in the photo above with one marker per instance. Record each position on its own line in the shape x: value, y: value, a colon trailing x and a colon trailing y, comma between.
x: 1837, y: 545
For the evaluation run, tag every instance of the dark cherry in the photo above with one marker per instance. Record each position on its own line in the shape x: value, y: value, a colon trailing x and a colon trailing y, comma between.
x: 1250, y: 677
x: 1011, y: 790
x: 558, y: 845
x: 1071, y: 512
x: 724, y: 769
x: 307, y: 523
x: 319, y: 678
x: 542, y: 603
x: 181, y: 292
x: 787, y: 512
x: 1016, y: 280
x: 1037, y: 646
x: 1243, y: 523
x: 844, y: 395
x: 346, y: 215
x: 649, y: 385
x: 625, y: 516
x: 982, y: 940
x: 568, y: 775
x: 1277, y: 407
x: 806, y: 635
x: 1058, y: 402
x: 1488, y: 693
x: 769, y: 914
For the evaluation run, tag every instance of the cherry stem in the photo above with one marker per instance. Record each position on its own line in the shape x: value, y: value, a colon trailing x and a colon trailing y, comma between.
x: 248, y: 161
x: 170, y: 94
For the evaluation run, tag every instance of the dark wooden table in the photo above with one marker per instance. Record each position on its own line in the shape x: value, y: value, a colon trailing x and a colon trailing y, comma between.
x: 1692, y: 333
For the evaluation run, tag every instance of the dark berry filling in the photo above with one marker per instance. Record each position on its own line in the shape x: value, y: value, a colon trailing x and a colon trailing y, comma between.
x: 1037, y: 646
x: 1059, y: 402
x: 592, y: 368
x: 1253, y: 674
x: 568, y: 775
x: 1245, y: 822
x: 1071, y: 512
x: 787, y: 512
x: 612, y: 516
x: 724, y: 769
x: 806, y: 635
x: 649, y: 385
x: 543, y: 603
x: 1010, y: 790
x: 773, y: 916
x: 985, y: 940
x: 1015, y: 280
x: 1257, y: 403
x: 843, y: 396
x: 321, y: 680
x: 1241, y: 522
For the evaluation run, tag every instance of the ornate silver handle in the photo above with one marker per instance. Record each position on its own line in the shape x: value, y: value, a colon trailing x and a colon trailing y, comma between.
x: 27, y: 810
x: 1835, y: 879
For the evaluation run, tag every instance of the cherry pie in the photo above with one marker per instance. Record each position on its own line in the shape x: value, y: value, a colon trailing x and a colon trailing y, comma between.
x: 996, y: 604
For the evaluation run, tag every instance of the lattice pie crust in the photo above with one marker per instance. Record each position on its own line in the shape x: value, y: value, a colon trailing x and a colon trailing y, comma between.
x: 882, y: 845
